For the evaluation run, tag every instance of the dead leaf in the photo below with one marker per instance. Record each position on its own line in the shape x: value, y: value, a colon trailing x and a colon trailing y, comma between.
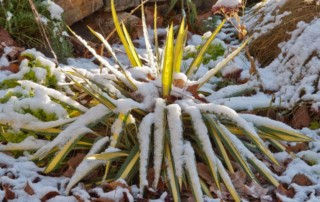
x: 6, y: 38
x: 297, y: 148
x: 9, y: 195
x: 28, y: 189
x: 255, y: 190
x: 180, y: 83
x: 239, y: 178
x: 14, y: 68
x: 204, y: 173
x: 49, y: 195
x: 283, y: 191
x: 73, y: 164
x: 301, y: 118
x: 103, y: 200
x: 301, y: 180
x: 115, y: 184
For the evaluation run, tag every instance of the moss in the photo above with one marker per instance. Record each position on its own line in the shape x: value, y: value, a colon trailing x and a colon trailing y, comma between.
x: 23, y: 27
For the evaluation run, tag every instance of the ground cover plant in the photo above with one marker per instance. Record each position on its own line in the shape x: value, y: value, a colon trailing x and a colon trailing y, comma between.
x: 19, y: 19
x: 150, y: 117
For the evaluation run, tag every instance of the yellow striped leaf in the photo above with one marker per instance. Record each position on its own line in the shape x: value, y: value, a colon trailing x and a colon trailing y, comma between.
x: 198, y: 59
x: 122, y: 36
x: 214, y: 134
x: 59, y: 157
x: 232, y: 149
x: 179, y: 46
x: 167, y: 66
x: 108, y: 156
x: 130, y: 166
x: 172, y: 177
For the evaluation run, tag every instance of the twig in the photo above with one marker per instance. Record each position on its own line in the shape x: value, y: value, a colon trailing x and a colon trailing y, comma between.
x: 42, y: 30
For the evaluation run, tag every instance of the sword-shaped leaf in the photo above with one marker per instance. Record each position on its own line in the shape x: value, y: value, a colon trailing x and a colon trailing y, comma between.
x: 179, y: 46
x: 220, y: 65
x: 130, y: 165
x: 124, y: 39
x: 110, y: 156
x: 167, y: 66
x: 171, y: 173
x: 198, y: 59
x: 59, y: 157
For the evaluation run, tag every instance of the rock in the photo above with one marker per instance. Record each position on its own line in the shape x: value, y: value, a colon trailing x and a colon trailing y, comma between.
x: 102, y: 22
x: 75, y: 10
x: 122, y: 5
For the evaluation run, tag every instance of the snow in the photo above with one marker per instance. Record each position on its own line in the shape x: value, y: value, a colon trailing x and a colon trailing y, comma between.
x: 190, y: 165
x: 54, y: 9
x: 144, y: 145
x: 116, y: 195
x: 9, y: 16
x: 158, y: 138
x: 86, y: 165
x: 176, y: 138
x: 227, y: 3
x: 299, y: 55
x: 78, y: 127
x: 30, y: 143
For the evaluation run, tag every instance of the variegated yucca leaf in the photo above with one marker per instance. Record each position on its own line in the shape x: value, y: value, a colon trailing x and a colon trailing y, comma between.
x: 125, y: 39
x: 167, y: 64
x: 154, y: 124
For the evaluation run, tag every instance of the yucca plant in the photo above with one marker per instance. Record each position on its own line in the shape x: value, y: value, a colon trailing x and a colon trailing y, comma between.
x: 155, y: 118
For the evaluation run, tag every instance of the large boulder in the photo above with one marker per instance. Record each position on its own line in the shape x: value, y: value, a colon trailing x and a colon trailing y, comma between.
x: 75, y: 10
x: 122, y: 5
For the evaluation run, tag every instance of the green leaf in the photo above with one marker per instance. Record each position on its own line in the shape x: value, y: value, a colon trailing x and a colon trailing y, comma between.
x: 232, y: 148
x: 172, y: 177
x: 221, y: 64
x: 227, y: 182
x: 130, y: 165
x: 198, y: 59
x: 58, y: 158
x: 167, y: 66
x: 102, y: 99
x: 261, y: 168
x: 107, y: 45
x: 216, y: 137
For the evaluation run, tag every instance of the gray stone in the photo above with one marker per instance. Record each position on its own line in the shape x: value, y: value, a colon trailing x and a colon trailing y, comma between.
x: 125, y: 4
x: 75, y: 10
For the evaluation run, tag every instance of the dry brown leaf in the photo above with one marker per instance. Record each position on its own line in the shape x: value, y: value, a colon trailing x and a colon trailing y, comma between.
x: 9, y: 195
x: 297, y: 148
x: 255, y: 190
x: 6, y: 38
x: 28, y: 189
x: 239, y: 178
x: 73, y: 164
x: 103, y: 200
x: 204, y: 173
x: 283, y: 191
x: 301, y: 180
x: 14, y: 68
x: 115, y: 184
x: 49, y: 195
x: 301, y: 118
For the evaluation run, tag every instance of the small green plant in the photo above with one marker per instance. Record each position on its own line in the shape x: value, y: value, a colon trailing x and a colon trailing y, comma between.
x: 17, y: 18
x: 212, y: 53
x: 157, y: 120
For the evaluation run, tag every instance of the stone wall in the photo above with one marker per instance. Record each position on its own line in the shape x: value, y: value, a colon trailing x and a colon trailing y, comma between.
x: 76, y: 10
